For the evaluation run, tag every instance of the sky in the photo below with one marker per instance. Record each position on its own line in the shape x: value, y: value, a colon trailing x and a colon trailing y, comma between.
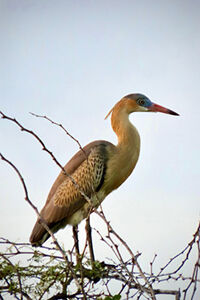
x: 72, y: 61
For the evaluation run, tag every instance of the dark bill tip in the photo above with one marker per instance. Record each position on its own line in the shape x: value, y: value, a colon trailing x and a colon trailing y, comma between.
x: 171, y: 112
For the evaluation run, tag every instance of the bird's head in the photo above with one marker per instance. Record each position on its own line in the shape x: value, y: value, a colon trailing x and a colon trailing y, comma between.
x: 139, y: 102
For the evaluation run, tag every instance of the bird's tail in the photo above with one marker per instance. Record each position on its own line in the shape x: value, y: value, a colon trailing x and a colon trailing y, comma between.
x: 39, y: 234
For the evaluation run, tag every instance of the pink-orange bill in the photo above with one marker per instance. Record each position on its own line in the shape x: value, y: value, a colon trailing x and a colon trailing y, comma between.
x: 158, y: 108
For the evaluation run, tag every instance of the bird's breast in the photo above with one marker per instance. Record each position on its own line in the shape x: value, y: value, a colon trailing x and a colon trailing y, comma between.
x: 119, y: 167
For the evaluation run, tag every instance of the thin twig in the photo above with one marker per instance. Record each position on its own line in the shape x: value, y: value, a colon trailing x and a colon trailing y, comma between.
x: 61, y: 126
x: 111, y: 230
x: 42, y: 220
x: 44, y: 148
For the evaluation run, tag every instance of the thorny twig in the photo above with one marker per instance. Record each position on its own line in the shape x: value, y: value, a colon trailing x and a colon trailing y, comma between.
x: 189, y: 247
x: 111, y: 272
x: 134, y: 258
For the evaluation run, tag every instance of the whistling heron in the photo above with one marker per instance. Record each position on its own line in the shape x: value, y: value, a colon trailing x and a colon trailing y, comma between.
x: 98, y: 169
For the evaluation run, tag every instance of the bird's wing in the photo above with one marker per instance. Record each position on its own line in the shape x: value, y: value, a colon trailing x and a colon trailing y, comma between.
x: 74, y: 163
x: 87, y: 168
x: 68, y: 196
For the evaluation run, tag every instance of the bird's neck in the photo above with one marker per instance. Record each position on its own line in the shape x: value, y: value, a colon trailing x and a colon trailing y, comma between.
x: 128, y: 136
x: 128, y: 147
x: 124, y: 156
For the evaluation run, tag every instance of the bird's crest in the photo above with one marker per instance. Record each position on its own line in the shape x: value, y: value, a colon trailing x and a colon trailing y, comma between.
x: 108, y: 114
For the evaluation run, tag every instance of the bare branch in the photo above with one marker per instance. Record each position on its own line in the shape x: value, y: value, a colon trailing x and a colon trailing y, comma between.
x: 41, y: 218
x: 61, y: 126
x: 134, y: 258
x: 48, y: 151
x: 33, y: 206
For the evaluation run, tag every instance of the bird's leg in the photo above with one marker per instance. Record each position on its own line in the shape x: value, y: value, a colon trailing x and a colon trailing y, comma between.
x: 76, y: 244
x: 89, y: 238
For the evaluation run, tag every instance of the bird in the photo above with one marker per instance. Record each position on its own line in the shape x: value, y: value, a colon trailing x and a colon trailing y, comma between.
x: 98, y: 169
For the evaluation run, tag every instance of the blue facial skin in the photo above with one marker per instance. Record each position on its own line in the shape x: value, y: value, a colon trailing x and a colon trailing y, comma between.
x: 140, y: 99
x: 144, y: 101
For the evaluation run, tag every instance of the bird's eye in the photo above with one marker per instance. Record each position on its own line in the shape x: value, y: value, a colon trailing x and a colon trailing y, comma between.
x: 141, y: 102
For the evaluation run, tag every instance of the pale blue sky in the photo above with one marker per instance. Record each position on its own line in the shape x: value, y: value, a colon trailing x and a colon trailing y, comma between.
x: 73, y: 60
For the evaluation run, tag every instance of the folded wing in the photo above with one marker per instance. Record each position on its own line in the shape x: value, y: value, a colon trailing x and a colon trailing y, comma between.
x: 87, y: 168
